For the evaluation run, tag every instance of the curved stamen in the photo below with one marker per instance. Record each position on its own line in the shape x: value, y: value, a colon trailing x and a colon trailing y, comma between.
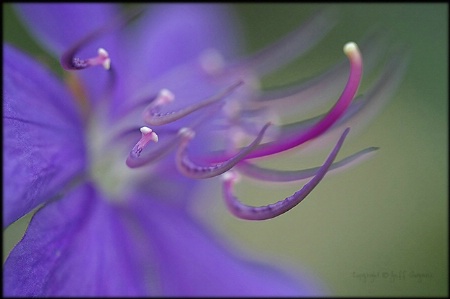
x: 70, y: 62
x: 152, y: 117
x: 352, y: 52
x: 135, y: 160
x: 371, y: 48
x: 286, y: 131
x: 272, y: 175
x: 163, y: 98
x: 380, y: 92
x: 344, y: 101
x: 190, y: 169
x: 243, y: 211
x: 364, y: 107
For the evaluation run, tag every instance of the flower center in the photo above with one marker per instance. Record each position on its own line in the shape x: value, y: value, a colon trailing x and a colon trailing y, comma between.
x: 104, y: 169
x: 108, y: 168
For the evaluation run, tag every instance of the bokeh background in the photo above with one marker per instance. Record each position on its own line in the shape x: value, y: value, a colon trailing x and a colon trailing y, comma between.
x: 378, y: 229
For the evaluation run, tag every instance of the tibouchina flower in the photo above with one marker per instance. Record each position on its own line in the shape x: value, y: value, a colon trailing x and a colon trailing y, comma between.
x: 152, y: 105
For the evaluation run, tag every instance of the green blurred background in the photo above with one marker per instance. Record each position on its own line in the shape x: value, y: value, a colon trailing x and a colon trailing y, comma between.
x: 386, y: 218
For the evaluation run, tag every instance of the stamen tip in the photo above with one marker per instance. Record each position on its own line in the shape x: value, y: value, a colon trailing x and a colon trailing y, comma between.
x: 104, y: 55
x: 351, y: 48
x: 145, y: 130
x: 155, y: 137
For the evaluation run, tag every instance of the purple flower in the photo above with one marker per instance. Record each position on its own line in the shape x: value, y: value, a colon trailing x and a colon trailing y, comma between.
x: 113, y: 157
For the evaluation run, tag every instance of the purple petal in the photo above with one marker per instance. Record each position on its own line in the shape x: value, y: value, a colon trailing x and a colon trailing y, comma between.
x: 170, y: 35
x: 82, y: 245
x: 59, y: 26
x: 74, y: 247
x: 193, y: 262
x: 43, y: 143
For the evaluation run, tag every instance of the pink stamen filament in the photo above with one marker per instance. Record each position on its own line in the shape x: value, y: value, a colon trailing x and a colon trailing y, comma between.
x: 354, y: 80
x: 344, y: 101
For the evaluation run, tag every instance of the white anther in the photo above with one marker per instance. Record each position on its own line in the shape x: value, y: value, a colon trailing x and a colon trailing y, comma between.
x: 103, y: 53
x: 351, y: 48
x: 154, y: 137
x: 146, y: 131
x: 104, y: 56
x: 212, y: 61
